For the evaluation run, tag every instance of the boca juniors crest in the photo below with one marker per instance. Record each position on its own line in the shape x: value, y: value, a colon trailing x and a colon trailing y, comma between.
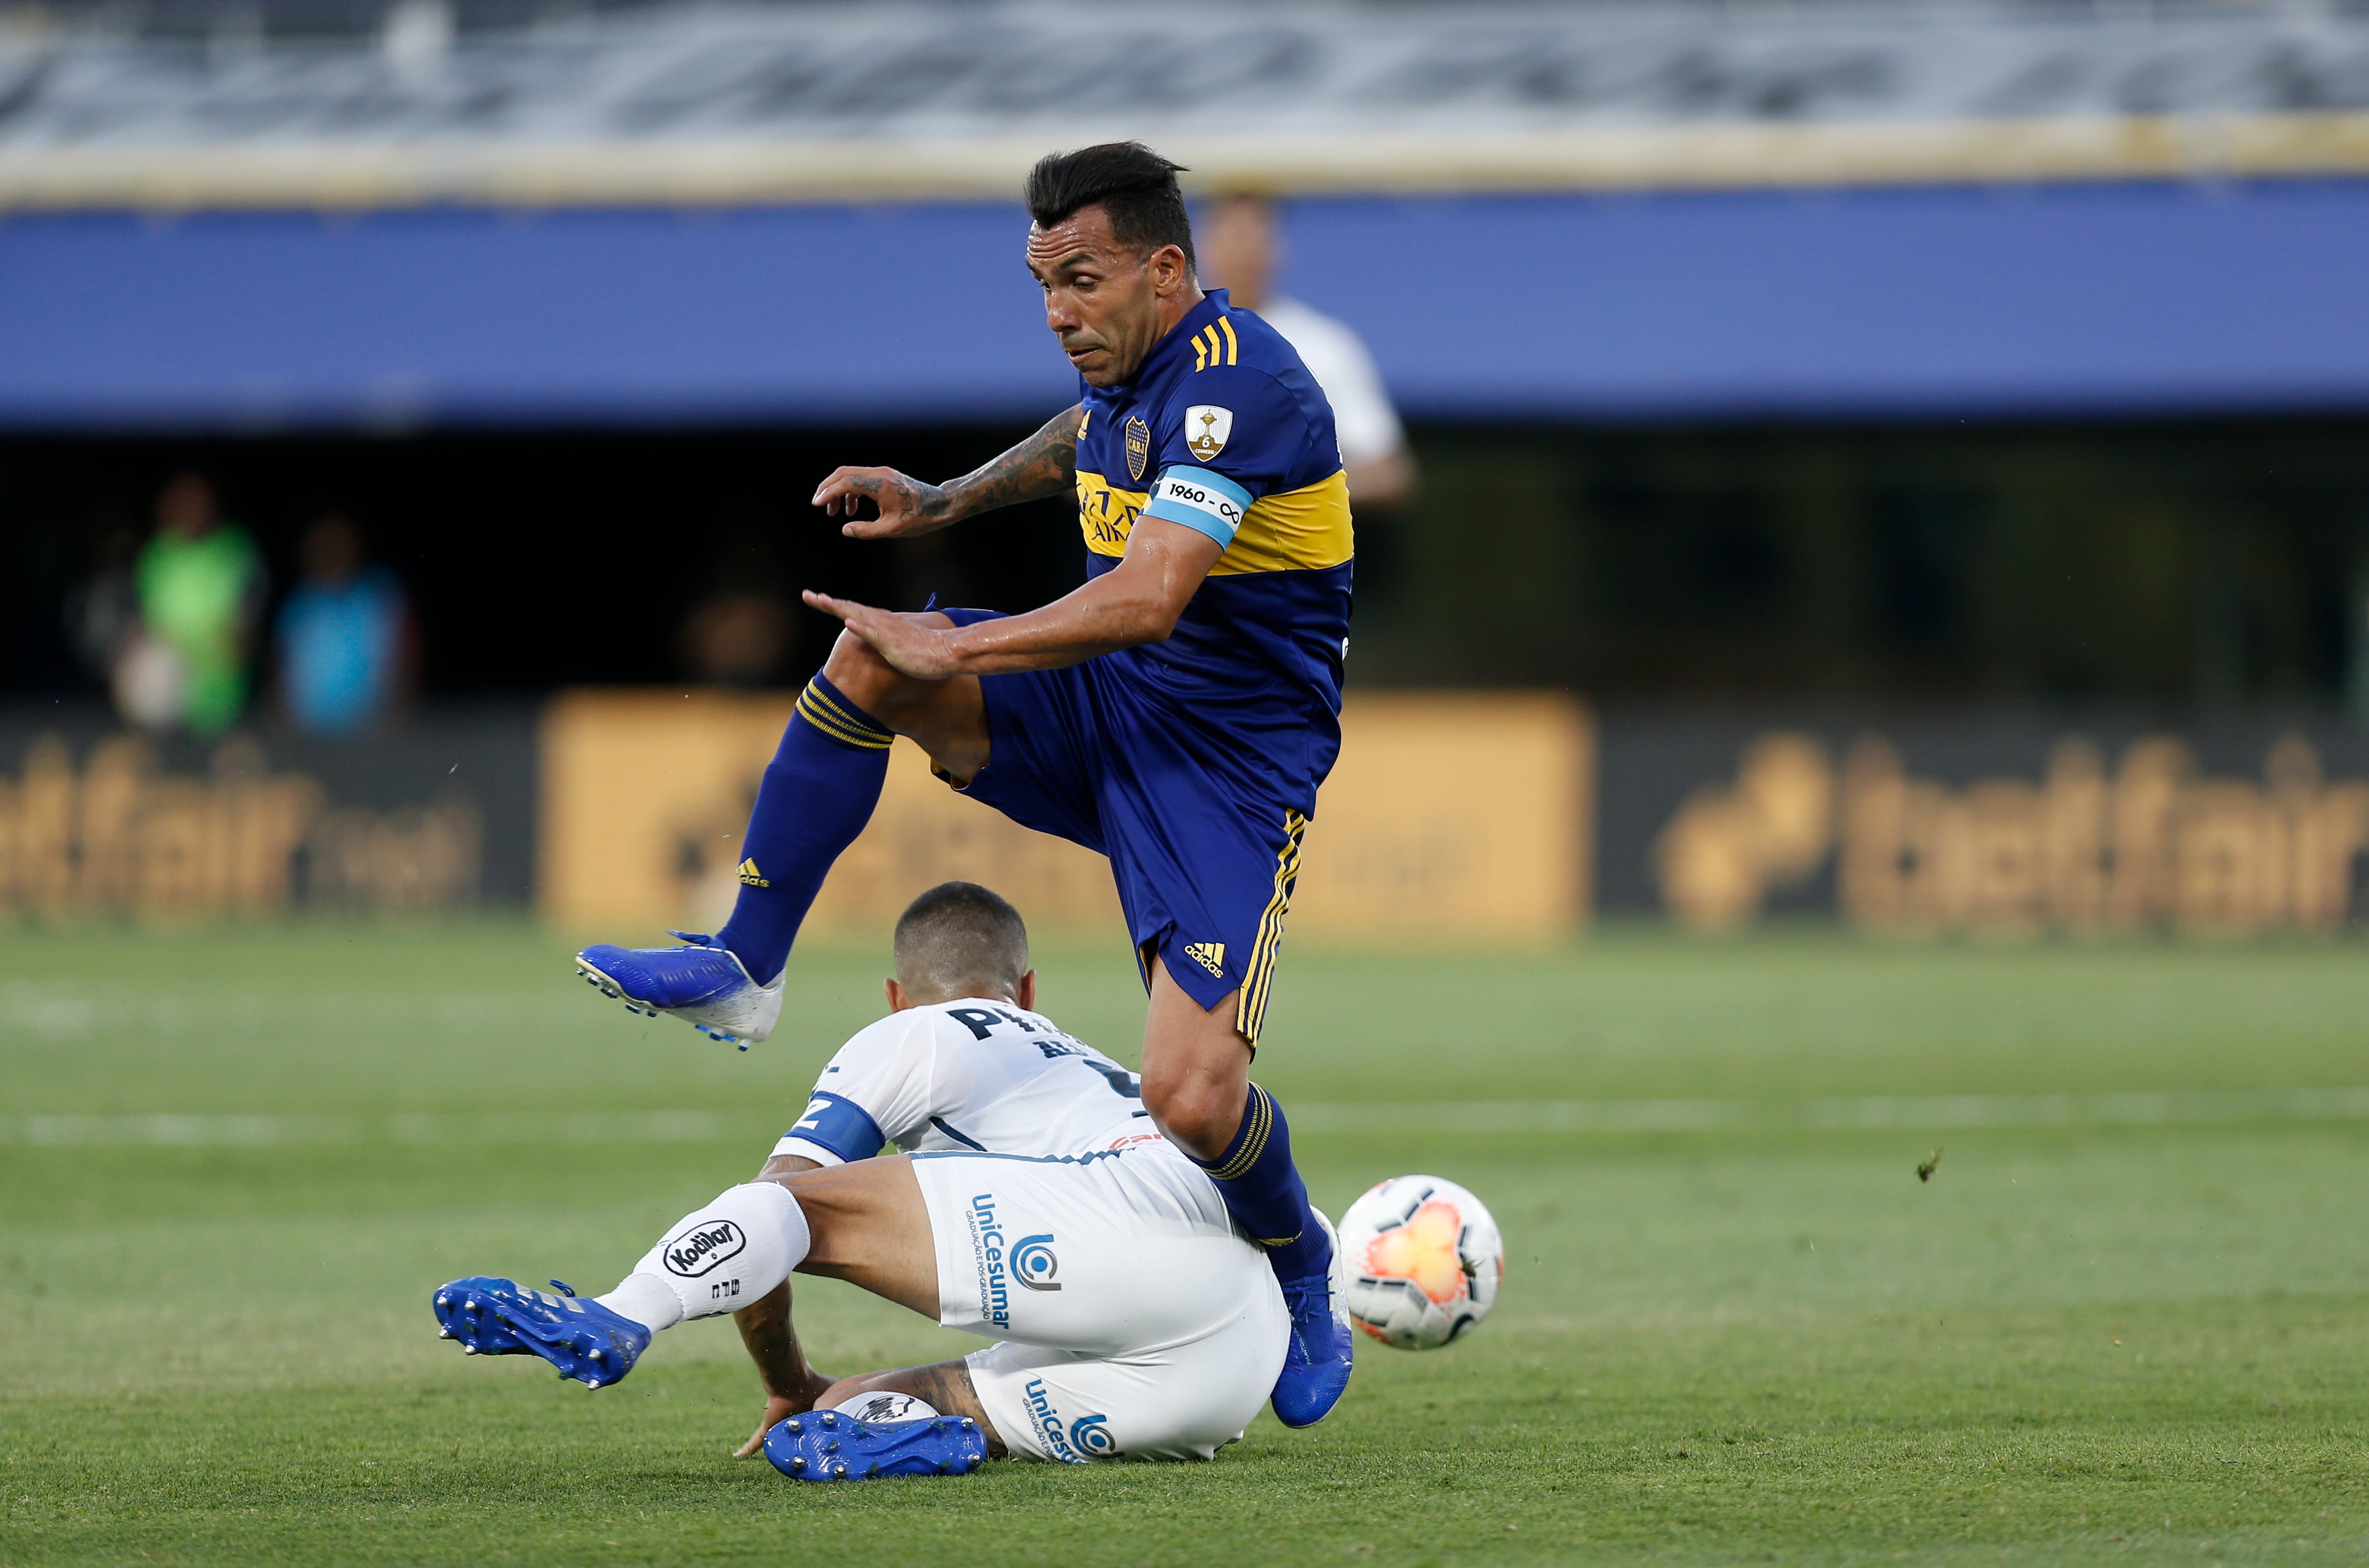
x: 1139, y: 449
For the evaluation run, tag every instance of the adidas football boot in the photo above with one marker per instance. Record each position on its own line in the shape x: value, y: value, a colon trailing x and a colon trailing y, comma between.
x: 703, y: 983
x: 829, y: 1444
x: 501, y: 1317
x: 1316, y: 1361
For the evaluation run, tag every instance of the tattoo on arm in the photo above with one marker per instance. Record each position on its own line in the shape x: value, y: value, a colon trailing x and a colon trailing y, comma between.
x: 1045, y: 465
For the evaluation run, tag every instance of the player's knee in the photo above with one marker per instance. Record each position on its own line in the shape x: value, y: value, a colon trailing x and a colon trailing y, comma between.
x: 1196, y: 1111
x: 861, y: 676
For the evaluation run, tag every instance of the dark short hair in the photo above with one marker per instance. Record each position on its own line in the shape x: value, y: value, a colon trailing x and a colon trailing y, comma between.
x: 959, y: 932
x: 1126, y: 180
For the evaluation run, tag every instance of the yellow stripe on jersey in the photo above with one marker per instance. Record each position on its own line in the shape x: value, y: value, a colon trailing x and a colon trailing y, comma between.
x: 1233, y: 349
x: 1308, y: 528
x: 1303, y: 530
x: 1106, y: 514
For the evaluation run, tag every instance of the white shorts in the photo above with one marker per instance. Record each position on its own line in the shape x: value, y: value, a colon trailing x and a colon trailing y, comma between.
x: 1137, y: 1323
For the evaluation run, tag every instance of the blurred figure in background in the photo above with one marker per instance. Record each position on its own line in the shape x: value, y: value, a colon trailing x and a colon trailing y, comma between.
x: 102, y: 614
x: 201, y: 586
x: 345, y: 644
x: 1241, y: 251
x: 741, y: 632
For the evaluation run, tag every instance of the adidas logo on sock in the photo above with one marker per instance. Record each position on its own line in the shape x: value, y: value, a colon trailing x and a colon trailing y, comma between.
x: 1211, y: 955
x: 751, y: 876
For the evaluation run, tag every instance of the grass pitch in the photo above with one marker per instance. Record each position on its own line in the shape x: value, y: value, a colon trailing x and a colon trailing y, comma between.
x: 232, y: 1166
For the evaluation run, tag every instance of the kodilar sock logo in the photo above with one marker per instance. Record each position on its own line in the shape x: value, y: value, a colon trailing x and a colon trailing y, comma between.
x: 704, y: 1247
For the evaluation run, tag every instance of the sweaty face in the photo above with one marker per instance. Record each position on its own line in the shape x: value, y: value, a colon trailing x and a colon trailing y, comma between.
x: 1102, y: 299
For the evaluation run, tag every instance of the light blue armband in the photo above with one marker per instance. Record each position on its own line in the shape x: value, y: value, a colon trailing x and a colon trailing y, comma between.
x: 1202, y: 500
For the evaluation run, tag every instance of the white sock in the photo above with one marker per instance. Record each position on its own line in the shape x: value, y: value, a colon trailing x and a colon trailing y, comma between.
x: 647, y: 1299
x: 719, y: 1259
x: 884, y: 1405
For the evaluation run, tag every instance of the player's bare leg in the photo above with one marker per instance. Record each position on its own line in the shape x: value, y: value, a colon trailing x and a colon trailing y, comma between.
x: 864, y: 1223
x: 945, y: 718
x: 1197, y: 1084
x: 815, y: 796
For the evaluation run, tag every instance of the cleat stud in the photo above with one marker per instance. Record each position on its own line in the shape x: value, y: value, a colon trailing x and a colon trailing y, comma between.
x: 838, y: 1473
x: 937, y: 1428
x: 444, y: 1300
x: 443, y: 1334
x: 830, y: 1420
x: 600, y: 1355
x: 944, y: 1469
x: 795, y: 1428
x: 798, y: 1467
x: 469, y: 1349
x: 831, y: 1447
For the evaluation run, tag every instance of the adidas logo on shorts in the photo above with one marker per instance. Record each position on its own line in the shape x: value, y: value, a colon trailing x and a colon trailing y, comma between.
x: 1211, y: 955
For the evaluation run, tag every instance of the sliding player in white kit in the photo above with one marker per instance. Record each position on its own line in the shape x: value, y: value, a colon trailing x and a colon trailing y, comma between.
x: 1034, y: 1204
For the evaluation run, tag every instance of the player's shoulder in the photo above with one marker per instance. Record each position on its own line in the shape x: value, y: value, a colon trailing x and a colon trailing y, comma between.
x: 1237, y: 350
x: 884, y: 1037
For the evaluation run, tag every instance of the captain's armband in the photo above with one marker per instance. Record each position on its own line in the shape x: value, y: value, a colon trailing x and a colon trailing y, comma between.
x: 1200, y: 500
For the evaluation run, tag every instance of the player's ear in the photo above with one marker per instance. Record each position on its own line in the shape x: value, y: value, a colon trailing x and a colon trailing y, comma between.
x: 898, y: 1002
x: 1026, y: 992
x: 1170, y: 271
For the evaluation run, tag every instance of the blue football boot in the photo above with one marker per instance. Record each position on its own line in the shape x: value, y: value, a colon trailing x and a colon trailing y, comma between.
x: 1316, y: 1362
x: 501, y: 1317
x: 704, y: 984
x: 829, y: 1444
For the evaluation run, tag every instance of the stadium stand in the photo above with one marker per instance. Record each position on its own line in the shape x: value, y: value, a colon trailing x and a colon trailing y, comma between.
x: 325, y: 102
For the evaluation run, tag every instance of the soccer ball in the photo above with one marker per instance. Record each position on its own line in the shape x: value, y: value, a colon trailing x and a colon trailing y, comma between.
x: 1422, y: 1258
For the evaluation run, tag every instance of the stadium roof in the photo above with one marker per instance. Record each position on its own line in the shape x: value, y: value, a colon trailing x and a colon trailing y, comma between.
x: 202, y: 106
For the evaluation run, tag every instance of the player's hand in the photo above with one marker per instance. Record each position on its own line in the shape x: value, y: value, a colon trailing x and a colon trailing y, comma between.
x: 778, y: 1408
x: 907, y: 506
x: 926, y: 653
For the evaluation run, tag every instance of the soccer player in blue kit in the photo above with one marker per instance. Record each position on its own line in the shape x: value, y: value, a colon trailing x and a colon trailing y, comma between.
x: 1176, y: 713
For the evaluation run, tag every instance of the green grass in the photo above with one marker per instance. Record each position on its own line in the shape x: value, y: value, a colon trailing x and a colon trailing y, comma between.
x: 2076, y: 1343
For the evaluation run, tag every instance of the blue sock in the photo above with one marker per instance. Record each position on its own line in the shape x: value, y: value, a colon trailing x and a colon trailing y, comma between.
x: 818, y: 794
x: 1264, y: 1192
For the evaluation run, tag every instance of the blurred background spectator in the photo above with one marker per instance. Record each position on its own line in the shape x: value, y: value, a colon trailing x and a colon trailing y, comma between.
x: 102, y: 614
x: 741, y: 633
x: 1240, y: 250
x: 347, y: 647
x: 201, y: 586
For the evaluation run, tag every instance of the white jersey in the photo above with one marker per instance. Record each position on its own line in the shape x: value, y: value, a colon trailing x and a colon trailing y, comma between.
x: 1362, y: 415
x: 974, y: 1074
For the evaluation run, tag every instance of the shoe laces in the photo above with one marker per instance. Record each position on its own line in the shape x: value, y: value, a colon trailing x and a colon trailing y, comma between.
x: 1310, y: 1290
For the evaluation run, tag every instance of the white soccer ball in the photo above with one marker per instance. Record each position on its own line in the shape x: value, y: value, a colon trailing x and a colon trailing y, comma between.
x: 1422, y: 1258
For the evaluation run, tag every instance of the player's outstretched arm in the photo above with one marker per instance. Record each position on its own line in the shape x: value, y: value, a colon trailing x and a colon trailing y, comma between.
x: 791, y: 1382
x: 1136, y: 602
x: 1045, y: 465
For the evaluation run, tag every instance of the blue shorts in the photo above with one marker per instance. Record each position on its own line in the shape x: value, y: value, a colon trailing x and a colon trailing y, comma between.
x: 1203, y: 839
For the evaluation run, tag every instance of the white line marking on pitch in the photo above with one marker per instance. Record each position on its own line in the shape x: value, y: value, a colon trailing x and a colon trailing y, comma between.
x: 1873, y: 1111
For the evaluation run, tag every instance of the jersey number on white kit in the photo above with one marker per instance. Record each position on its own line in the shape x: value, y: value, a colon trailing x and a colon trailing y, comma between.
x: 984, y: 1021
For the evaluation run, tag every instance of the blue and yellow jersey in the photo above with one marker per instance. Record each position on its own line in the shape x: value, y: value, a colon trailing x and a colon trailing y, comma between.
x: 1224, y: 432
